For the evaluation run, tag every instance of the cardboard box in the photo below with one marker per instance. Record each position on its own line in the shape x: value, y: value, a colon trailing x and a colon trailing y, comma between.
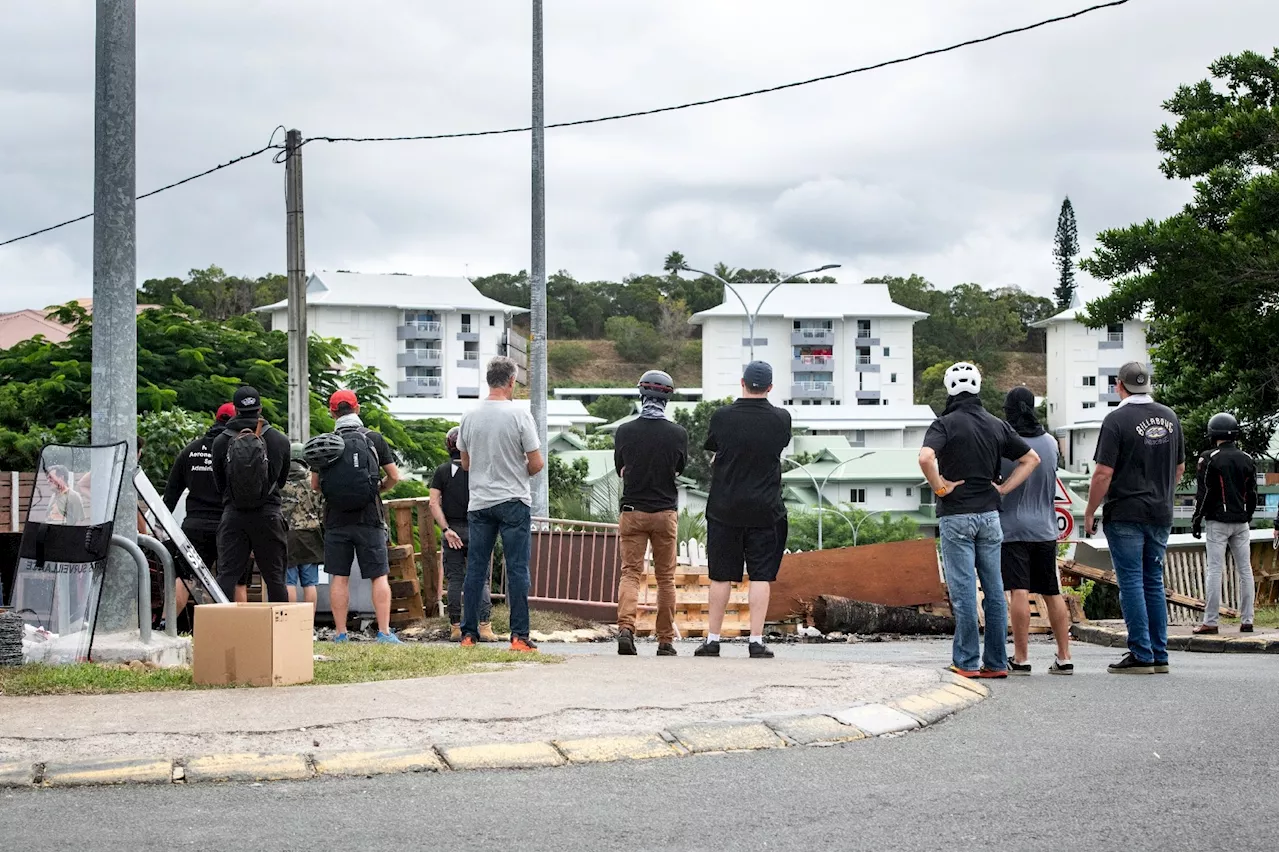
x: 259, y: 644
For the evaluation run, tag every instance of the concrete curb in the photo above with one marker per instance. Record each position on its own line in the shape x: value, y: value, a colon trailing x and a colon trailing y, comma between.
x: 1222, y: 643
x: 783, y: 730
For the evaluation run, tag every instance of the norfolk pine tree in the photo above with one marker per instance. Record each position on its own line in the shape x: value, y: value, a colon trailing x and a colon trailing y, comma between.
x: 1065, y: 249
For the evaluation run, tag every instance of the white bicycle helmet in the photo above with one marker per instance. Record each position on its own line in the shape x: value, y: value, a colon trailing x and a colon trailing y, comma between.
x: 962, y: 377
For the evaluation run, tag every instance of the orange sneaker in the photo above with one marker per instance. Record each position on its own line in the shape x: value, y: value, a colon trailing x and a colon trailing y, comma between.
x: 969, y: 673
x: 523, y: 645
x: 468, y: 641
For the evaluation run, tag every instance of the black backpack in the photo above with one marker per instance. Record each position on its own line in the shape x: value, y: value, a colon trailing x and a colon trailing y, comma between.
x: 248, y: 471
x: 354, y: 480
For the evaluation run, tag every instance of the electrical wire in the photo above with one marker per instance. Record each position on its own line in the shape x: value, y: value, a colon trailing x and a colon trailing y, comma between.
x: 691, y: 104
x: 601, y: 119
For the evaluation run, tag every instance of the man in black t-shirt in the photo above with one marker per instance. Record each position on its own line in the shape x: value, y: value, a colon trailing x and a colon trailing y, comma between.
x: 649, y: 453
x: 450, y: 493
x: 1139, y: 463
x: 358, y: 533
x: 192, y: 472
x: 746, y: 521
x: 961, y: 459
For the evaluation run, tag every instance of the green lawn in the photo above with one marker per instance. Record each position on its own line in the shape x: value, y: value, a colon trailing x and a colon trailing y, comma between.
x: 540, y: 621
x: 350, y: 663
x: 1263, y: 616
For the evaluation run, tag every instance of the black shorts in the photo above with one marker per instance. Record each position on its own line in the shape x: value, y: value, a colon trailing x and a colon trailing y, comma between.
x: 1031, y: 566
x: 758, y: 548
x: 366, y: 543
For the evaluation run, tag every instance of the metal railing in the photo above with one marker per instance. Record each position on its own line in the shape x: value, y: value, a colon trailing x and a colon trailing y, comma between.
x: 470, y: 356
x: 425, y: 325
x: 1115, y: 337
x: 815, y: 360
x: 468, y: 328
x: 864, y: 359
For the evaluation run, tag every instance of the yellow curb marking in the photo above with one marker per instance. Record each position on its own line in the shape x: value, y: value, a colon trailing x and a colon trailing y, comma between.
x: 917, y: 705
x: 970, y: 685
x: 503, y: 756
x: 968, y: 696
x: 110, y: 771
x: 16, y: 774
x: 732, y: 736
x: 609, y: 749
x: 383, y: 762
x: 248, y: 767
x: 946, y: 698
x: 808, y: 730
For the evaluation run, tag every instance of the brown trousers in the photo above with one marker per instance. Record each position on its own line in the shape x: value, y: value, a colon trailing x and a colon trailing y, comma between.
x: 635, y: 531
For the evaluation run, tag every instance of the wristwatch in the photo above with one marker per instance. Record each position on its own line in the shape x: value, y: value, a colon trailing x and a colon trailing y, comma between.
x: 941, y: 492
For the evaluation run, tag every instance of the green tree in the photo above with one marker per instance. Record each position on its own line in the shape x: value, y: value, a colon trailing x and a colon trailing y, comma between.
x: 934, y: 393
x: 635, y: 340
x: 214, y: 293
x: 1205, y: 277
x: 612, y: 408
x: 802, y: 528
x: 1065, y: 249
x: 696, y: 423
x: 565, y: 480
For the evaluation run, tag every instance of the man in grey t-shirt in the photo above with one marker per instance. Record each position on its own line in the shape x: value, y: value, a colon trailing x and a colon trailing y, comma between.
x: 1029, y: 554
x: 500, y: 452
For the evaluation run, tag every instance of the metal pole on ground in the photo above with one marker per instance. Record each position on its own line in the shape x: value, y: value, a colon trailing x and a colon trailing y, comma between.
x: 296, y: 264
x: 114, y: 403
x: 538, y: 274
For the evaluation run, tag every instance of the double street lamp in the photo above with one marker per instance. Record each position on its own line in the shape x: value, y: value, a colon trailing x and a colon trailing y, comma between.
x: 751, y: 315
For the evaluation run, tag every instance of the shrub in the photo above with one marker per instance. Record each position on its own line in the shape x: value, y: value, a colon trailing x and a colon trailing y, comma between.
x: 636, y: 341
x: 567, y: 356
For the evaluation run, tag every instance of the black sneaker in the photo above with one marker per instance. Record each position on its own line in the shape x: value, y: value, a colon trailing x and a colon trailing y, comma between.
x: 1061, y: 668
x: 1023, y: 669
x: 666, y: 649
x: 759, y: 651
x: 1161, y: 667
x: 1131, y: 665
x: 707, y: 649
x: 626, y: 643
x: 1246, y: 628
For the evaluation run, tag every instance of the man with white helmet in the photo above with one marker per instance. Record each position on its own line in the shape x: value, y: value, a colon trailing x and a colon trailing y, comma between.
x: 649, y: 453
x: 450, y: 492
x: 961, y: 460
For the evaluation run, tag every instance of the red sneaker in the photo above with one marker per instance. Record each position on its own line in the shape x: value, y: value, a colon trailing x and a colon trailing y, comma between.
x: 468, y: 641
x: 969, y: 673
x: 986, y: 672
x: 523, y: 645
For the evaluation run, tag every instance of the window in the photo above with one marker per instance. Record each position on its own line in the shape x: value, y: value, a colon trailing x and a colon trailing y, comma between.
x: 864, y: 355
x: 1115, y: 332
x: 492, y: 320
x: 886, y: 352
x: 466, y: 324
x: 868, y: 402
x: 1088, y: 405
x: 857, y: 495
x: 909, y: 490
x: 864, y: 328
x: 893, y: 378
x: 1113, y: 404
x: 1089, y: 381
x: 888, y: 492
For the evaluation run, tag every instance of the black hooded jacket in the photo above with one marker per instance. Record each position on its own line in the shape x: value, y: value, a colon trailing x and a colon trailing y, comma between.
x: 192, y: 472
x: 278, y: 457
x: 1226, y: 486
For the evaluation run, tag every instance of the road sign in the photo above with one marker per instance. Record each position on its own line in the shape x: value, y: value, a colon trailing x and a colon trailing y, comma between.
x: 1066, y: 523
x: 1063, y: 497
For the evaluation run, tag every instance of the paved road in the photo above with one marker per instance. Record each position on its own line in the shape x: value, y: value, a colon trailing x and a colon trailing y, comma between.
x: 1099, y: 762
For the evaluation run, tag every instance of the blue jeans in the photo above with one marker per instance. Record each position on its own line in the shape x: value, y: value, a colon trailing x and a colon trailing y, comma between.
x: 302, y: 575
x: 511, y: 521
x: 971, y: 554
x: 1137, y: 554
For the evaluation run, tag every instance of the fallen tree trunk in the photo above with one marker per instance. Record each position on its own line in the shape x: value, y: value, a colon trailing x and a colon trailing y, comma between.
x: 832, y: 614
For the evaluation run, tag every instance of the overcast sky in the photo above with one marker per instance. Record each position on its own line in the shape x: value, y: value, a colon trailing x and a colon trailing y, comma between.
x: 953, y: 166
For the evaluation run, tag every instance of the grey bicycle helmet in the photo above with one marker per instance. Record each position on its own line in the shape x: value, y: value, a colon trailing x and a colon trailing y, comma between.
x: 656, y: 384
x: 451, y: 440
x: 323, y: 450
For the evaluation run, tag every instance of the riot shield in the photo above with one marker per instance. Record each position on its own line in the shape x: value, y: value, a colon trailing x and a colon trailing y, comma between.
x: 65, y: 544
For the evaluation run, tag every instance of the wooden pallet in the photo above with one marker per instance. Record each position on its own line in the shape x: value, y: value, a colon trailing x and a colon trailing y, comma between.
x: 1039, y: 613
x: 693, y: 589
x: 406, y: 592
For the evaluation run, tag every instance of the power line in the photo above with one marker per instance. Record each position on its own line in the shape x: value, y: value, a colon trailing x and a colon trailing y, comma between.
x: 204, y: 173
x: 616, y: 117
x: 723, y: 98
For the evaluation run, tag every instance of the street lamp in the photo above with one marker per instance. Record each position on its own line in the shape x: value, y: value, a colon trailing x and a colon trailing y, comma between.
x: 751, y: 315
x: 863, y: 520
x: 819, y: 488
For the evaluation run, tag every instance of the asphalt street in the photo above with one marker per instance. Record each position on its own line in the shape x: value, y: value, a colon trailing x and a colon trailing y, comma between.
x: 1095, y: 761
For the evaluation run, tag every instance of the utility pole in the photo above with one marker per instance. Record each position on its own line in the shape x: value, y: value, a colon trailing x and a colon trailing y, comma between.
x: 114, y: 402
x: 296, y: 264
x: 538, y: 274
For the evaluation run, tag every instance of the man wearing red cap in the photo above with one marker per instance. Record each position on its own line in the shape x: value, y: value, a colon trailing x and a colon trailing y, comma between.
x: 356, y: 534
x: 192, y: 472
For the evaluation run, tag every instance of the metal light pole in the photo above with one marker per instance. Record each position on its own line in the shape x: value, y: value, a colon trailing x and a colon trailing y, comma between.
x: 114, y: 403
x: 538, y: 274
x: 751, y: 315
x: 827, y: 478
x: 864, y: 519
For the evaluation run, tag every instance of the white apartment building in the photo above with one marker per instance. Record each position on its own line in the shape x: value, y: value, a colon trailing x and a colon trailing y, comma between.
x: 828, y: 344
x: 428, y: 336
x: 1081, y: 365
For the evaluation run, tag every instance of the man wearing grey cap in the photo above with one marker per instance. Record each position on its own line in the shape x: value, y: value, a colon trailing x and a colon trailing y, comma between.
x: 746, y: 521
x: 1139, y: 463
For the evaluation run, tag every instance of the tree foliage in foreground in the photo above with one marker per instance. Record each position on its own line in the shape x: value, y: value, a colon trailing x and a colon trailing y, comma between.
x: 1206, y: 276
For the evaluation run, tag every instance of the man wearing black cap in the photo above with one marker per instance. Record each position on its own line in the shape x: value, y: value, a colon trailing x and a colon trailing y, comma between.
x: 1139, y: 463
x: 250, y: 466
x: 746, y: 521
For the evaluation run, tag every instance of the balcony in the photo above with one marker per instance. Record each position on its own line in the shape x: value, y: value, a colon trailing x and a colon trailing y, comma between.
x: 421, y: 386
x: 420, y: 358
x: 813, y: 390
x: 863, y: 359
x: 1111, y: 340
x: 813, y: 363
x: 812, y: 337
x: 470, y: 333
x: 420, y: 331
x: 469, y: 361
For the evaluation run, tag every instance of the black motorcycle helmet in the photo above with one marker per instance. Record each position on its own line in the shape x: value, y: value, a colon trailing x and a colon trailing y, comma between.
x: 1223, y: 427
